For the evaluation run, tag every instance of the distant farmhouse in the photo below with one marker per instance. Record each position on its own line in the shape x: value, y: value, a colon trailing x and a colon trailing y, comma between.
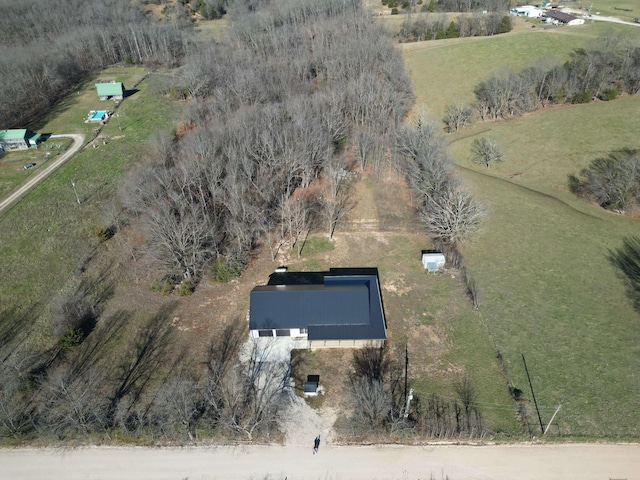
x: 110, y: 90
x: 340, y: 308
x: 18, y: 139
x: 527, y: 11
x: 561, y: 18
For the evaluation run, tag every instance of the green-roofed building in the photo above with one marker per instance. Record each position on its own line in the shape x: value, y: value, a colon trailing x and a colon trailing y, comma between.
x: 110, y: 90
x: 18, y: 138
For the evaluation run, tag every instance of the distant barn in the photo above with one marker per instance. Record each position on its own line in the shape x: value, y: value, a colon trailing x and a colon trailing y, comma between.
x: 110, y: 90
x: 561, y: 18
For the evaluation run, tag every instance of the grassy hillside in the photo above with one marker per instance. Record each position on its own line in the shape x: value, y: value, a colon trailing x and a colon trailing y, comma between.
x: 47, y: 236
x: 547, y: 289
x: 446, y: 71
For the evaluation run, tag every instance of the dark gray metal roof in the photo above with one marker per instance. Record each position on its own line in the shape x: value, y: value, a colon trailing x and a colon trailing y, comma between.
x: 342, y: 304
x: 561, y: 16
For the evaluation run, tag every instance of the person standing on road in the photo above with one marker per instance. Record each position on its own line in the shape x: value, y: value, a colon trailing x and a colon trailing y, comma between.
x: 316, y: 444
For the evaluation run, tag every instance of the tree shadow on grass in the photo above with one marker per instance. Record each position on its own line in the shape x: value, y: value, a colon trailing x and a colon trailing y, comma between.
x: 627, y: 261
x: 15, y: 327
x: 59, y: 107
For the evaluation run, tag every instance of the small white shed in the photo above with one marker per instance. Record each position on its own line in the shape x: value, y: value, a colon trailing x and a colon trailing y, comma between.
x: 432, y: 260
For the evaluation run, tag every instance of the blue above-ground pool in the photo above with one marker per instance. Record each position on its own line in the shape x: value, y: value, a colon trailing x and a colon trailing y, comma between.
x: 99, y: 115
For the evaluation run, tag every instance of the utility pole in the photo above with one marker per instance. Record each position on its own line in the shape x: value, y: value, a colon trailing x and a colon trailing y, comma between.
x: 554, y: 416
x: 73, y: 185
x: 406, y: 368
x: 533, y: 394
x: 407, y: 395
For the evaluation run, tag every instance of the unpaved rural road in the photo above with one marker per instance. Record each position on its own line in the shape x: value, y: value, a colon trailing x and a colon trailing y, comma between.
x: 599, y: 18
x: 440, y: 462
x: 16, y: 195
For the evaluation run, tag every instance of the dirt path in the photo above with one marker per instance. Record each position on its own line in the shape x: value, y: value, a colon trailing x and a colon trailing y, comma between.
x: 503, y: 462
x: 16, y: 195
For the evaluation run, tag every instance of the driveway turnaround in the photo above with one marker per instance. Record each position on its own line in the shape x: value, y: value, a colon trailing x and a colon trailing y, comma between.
x: 437, y: 462
x: 47, y: 170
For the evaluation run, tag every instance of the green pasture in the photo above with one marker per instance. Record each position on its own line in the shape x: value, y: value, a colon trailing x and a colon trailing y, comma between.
x: 547, y: 290
x: 48, y: 236
x: 446, y: 71
x: 626, y: 10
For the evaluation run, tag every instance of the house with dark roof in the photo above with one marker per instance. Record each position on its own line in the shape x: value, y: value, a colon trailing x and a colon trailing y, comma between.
x: 18, y: 138
x: 341, y: 308
x: 110, y: 90
x: 553, y: 16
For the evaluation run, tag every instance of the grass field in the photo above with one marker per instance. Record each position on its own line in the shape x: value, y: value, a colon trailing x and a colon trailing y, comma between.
x: 47, y: 236
x: 12, y: 171
x: 547, y: 290
x: 446, y: 71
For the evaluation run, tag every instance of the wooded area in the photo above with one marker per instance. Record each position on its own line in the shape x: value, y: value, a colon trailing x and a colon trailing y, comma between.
x: 50, y: 46
x: 263, y: 152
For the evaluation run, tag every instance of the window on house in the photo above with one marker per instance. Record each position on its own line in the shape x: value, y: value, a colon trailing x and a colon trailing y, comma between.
x: 303, y: 331
x: 265, y: 333
x: 283, y: 333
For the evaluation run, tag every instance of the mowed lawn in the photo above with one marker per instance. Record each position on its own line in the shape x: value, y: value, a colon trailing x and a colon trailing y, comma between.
x: 547, y: 290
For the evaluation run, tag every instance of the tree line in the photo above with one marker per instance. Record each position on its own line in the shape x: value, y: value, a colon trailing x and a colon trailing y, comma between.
x: 50, y: 46
x: 378, y: 391
x: 436, y: 27
x: 613, y: 182
x: 603, y: 71
x: 131, y: 380
x: 467, y: 5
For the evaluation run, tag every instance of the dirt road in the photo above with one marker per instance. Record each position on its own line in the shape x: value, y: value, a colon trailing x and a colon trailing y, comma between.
x: 596, y: 17
x: 521, y: 462
x: 16, y: 195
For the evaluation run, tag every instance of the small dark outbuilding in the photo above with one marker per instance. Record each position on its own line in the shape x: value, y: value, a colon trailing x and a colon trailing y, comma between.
x: 310, y: 387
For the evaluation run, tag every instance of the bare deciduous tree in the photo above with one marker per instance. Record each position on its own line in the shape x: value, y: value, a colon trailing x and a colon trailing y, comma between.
x: 486, y: 150
x: 457, y: 116
x: 336, y: 200
x: 612, y: 181
x: 453, y: 216
x: 256, y: 392
x: 178, y: 404
x: 371, y: 402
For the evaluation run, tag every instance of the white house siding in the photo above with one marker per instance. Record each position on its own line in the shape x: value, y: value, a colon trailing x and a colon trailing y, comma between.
x: 319, y: 344
x: 295, y: 333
